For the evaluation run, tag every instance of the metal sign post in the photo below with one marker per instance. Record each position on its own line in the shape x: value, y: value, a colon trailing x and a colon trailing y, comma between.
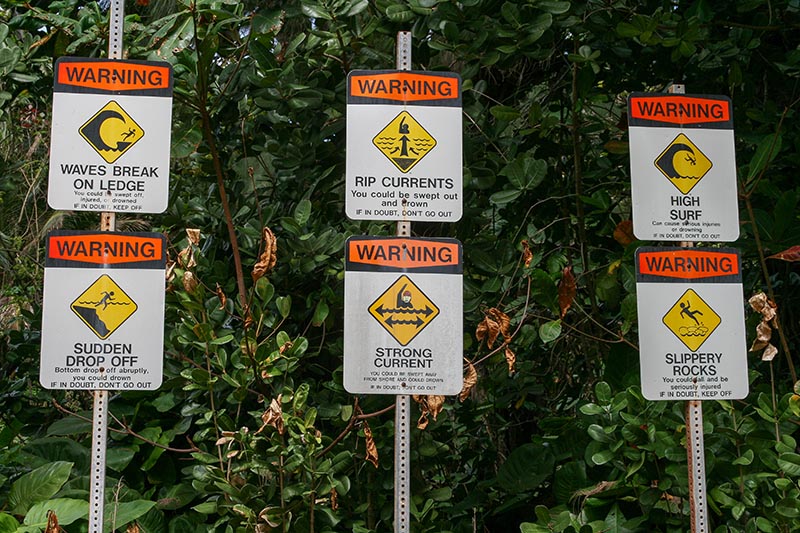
x: 402, y: 423
x: 695, y: 447
x: 100, y: 408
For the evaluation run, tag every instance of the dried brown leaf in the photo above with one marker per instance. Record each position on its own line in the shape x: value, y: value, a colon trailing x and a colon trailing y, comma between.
x: 273, y: 416
x: 503, y: 321
x: 761, y: 304
x: 769, y: 353
x: 428, y: 405
x: 268, y: 258
x: 52, y: 523
x: 488, y: 329
x: 470, y: 380
x: 334, y: 499
x: 223, y: 300
x: 190, y: 282
x: 511, y: 359
x: 169, y: 275
x: 372, y: 449
x: 567, y: 288
x: 791, y: 254
x: 527, y: 255
x: 623, y: 233
x: 285, y: 346
x: 194, y: 236
x: 133, y: 527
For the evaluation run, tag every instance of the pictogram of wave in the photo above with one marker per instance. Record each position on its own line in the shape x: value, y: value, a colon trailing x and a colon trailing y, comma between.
x: 104, y: 303
x: 693, y: 331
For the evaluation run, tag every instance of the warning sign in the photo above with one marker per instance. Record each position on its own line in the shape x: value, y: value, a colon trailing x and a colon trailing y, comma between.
x: 104, y: 306
x: 403, y: 310
x: 111, y: 131
x: 103, y: 312
x: 404, y: 141
x: 691, y: 319
x: 404, y: 156
x: 689, y: 141
x: 403, y: 324
x: 691, y: 323
x: 683, y: 164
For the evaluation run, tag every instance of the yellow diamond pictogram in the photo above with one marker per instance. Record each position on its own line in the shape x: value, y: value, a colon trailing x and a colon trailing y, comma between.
x: 683, y: 164
x: 404, y: 141
x: 692, y: 320
x: 104, y: 306
x: 403, y: 310
x: 111, y: 132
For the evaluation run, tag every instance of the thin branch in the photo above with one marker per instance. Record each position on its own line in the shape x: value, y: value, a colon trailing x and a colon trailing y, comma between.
x: 128, y: 431
x: 351, y: 424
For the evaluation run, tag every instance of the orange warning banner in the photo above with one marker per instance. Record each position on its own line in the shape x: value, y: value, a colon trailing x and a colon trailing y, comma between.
x: 404, y: 86
x: 399, y: 253
x: 104, y: 248
x: 679, y: 109
x: 687, y: 263
x: 114, y: 76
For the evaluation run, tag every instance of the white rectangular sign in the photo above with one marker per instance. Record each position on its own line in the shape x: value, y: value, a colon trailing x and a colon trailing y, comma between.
x: 404, y: 155
x: 403, y: 320
x: 111, y: 130
x: 691, y: 324
x: 103, y: 312
x: 683, y: 168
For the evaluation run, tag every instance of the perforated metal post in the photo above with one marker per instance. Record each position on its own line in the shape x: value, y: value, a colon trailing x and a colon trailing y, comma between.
x: 97, y: 476
x: 695, y: 448
x: 402, y: 424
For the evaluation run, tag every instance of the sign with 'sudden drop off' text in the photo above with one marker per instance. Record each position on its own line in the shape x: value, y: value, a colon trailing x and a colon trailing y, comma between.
x: 691, y: 323
x: 403, y: 330
x: 103, y: 312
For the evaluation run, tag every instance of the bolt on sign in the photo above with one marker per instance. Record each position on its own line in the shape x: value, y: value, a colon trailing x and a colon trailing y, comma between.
x: 691, y: 323
x: 404, y: 155
x: 103, y: 312
x: 403, y: 330
x: 683, y: 167
x: 111, y: 130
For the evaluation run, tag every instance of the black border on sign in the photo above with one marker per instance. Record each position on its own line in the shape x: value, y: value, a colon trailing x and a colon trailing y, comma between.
x: 149, y: 264
x: 715, y: 125
x: 449, y: 102
x: 69, y: 88
x: 355, y: 266
x: 674, y: 252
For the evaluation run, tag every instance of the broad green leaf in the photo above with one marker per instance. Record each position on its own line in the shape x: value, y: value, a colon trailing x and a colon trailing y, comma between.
x: 507, y: 196
x: 8, y: 524
x: 66, y: 509
x: 284, y: 305
x: 38, y: 485
x: 117, y: 514
x: 766, y: 151
x: 504, y: 112
x: 525, y: 172
x: 320, y: 313
x: 789, y: 463
x: 603, y: 457
x: 550, y: 331
x: 788, y: 507
x: 303, y: 211
x: 526, y: 468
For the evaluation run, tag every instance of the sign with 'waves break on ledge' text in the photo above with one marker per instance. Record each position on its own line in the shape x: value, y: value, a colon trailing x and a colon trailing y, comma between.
x: 111, y: 131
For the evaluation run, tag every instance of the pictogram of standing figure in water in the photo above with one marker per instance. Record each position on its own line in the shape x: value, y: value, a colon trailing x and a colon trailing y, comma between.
x: 688, y: 312
x: 403, y: 130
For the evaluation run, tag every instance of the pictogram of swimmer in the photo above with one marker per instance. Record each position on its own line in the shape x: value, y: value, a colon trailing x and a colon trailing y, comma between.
x: 404, y: 297
x: 688, y: 312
